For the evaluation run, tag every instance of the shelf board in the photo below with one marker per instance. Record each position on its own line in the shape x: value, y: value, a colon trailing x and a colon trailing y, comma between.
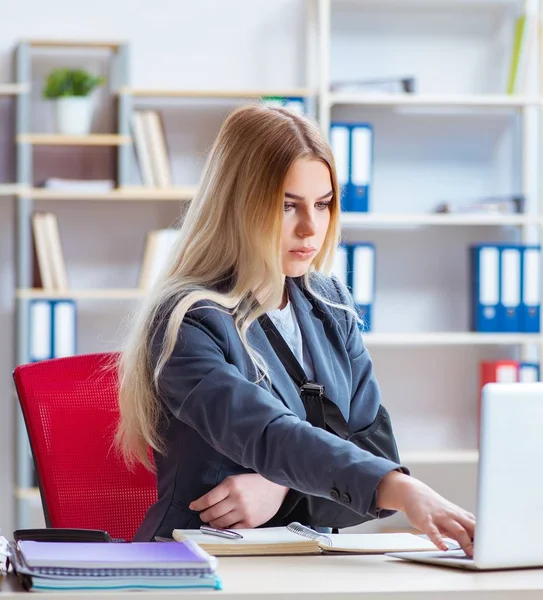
x: 247, y: 93
x: 32, y: 494
x: 53, y: 139
x: 9, y: 189
x: 13, y: 89
x: 180, y: 193
x: 450, y: 339
x: 440, y: 457
x: 351, y: 219
x: 83, y: 294
x: 468, y: 5
x: 89, y: 44
x: 433, y: 100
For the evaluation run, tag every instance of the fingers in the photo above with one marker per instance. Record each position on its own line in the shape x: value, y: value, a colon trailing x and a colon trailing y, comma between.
x: 216, y: 495
x: 434, y: 534
x: 217, y: 511
x: 461, y: 534
x: 467, y: 520
x: 227, y: 521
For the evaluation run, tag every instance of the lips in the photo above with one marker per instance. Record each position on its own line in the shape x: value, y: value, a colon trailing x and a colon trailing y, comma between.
x: 303, y: 253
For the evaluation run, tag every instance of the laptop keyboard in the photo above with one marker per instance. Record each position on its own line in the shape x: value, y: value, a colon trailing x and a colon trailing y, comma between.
x: 456, y: 554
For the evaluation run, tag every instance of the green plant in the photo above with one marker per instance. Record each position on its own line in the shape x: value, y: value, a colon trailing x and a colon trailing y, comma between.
x: 62, y: 83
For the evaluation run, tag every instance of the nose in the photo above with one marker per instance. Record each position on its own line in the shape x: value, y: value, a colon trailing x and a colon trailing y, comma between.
x: 306, y: 225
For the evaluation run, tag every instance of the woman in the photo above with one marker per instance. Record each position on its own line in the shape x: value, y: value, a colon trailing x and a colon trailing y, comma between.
x: 202, y: 386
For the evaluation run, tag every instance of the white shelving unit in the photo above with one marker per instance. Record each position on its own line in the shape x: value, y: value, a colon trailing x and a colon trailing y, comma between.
x: 458, y: 113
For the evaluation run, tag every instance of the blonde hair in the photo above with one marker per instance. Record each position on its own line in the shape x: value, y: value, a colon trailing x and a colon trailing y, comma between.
x: 230, y: 232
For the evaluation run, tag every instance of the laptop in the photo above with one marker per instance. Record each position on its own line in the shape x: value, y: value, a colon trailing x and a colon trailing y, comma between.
x: 509, y: 528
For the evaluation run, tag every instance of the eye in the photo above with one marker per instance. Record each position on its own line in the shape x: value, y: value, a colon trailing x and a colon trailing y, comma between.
x: 323, y: 205
x: 287, y: 206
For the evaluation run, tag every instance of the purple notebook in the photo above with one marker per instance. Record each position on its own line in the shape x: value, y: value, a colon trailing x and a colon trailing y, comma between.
x: 134, y: 555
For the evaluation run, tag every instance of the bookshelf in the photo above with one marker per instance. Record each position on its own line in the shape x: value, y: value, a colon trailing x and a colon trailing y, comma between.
x: 51, y: 139
x: 126, y: 193
x: 12, y: 89
x: 359, y: 220
x: 26, y: 142
x: 444, y: 338
x: 8, y: 189
x: 214, y: 94
x: 82, y: 294
x: 459, y: 110
x: 473, y: 102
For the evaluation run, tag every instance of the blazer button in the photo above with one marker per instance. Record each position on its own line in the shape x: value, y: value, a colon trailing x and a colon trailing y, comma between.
x: 334, y: 494
x: 346, y: 498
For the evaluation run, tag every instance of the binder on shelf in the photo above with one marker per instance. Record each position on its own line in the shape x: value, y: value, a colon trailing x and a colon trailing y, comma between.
x: 531, y: 294
x: 296, y: 104
x: 64, y: 328
x: 528, y: 372
x: 52, y: 329
x: 340, y: 144
x: 499, y: 371
x: 40, y: 330
x: 485, y: 288
x: 361, y: 167
x: 352, y: 146
x: 510, y: 288
x: 361, y: 279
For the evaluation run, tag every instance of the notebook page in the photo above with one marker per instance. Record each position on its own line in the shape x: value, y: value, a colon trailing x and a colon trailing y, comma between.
x: 263, y: 535
x: 377, y: 543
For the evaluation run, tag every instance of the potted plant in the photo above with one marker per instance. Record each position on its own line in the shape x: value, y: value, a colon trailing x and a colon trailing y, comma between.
x: 71, y: 89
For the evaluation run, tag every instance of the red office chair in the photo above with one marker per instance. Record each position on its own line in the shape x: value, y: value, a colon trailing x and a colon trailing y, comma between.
x: 70, y: 410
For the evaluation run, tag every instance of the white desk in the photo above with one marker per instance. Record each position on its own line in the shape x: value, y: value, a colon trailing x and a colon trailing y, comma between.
x: 348, y: 577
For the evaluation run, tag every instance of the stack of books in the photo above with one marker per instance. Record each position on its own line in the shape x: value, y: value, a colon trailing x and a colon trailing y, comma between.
x: 43, y: 566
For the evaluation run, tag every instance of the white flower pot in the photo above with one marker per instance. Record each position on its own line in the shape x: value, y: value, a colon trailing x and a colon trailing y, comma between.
x: 74, y: 115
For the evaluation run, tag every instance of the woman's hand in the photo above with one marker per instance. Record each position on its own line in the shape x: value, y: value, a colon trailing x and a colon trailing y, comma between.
x: 427, y: 510
x: 240, y: 501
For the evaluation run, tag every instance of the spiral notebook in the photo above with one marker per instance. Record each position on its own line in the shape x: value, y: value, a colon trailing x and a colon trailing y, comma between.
x: 110, y: 566
x: 298, y: 539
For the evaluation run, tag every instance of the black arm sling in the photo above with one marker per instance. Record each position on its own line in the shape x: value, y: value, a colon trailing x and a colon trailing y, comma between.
x: 377, y: 437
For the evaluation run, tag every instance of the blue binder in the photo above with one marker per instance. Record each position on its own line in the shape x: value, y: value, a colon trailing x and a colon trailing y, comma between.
x: 340, y: 143
x: 64, y: 328
x: 361, y: 279
x: 53, y: 329
x: 361, y: 160
x: 40, y: 341
x: 509, y: 307
x: 531, y: 293
x: 485, y: 288
x: 528, y: 372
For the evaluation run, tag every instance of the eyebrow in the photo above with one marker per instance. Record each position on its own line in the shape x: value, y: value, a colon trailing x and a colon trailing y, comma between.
x: 296, y: 197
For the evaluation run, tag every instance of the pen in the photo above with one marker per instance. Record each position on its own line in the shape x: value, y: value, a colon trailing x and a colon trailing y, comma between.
x: 224, y: 533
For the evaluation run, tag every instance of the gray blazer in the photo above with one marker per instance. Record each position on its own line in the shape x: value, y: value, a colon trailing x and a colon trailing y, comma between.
x: 218, y: 423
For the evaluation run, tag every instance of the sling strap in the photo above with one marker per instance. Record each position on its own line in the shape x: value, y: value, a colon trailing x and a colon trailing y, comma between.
x: 320, y: 410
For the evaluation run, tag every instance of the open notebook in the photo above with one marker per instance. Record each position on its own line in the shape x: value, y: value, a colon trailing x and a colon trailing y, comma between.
x: 297, y: 539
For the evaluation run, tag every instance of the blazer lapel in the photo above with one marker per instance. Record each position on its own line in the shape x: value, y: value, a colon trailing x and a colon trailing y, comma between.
x: 313, y: 338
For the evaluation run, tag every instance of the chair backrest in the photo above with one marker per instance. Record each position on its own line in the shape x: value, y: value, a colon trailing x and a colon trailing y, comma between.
x: 71, y: 413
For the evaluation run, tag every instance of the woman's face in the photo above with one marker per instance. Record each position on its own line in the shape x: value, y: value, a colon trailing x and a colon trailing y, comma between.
x: 306, y: 214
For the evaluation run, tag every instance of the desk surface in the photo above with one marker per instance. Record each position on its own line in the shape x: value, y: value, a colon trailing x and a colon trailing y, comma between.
x: 365, y: 577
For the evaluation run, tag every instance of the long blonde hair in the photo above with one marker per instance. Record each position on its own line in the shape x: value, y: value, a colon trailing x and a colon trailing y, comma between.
x: 231, y: 231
